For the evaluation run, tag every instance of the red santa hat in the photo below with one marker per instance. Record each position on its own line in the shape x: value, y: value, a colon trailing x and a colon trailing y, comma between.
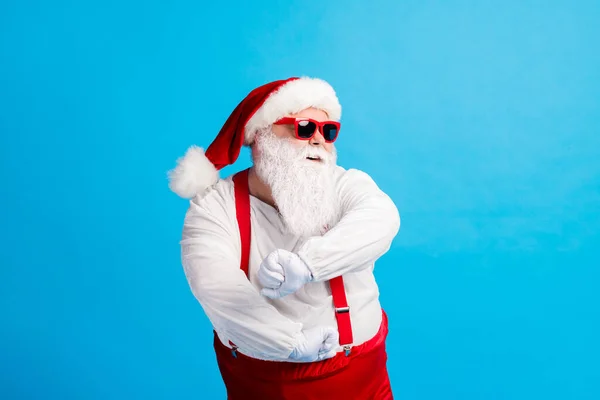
x: 197, y: 170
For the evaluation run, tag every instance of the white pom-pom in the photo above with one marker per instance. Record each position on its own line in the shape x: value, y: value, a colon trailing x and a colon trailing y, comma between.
x: 193, y: 174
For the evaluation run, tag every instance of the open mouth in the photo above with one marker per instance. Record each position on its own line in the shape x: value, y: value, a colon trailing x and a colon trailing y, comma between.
x: 316, y: 158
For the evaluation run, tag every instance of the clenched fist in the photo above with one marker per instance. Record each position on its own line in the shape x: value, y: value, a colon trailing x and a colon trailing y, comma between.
x: 282, y: 273
x: 316, y: 344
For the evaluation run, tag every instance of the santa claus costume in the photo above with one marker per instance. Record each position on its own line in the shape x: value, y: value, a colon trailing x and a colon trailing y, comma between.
x: 230, y: 237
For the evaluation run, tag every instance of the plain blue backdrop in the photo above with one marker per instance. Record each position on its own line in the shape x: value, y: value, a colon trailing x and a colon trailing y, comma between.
x: 480, y: 119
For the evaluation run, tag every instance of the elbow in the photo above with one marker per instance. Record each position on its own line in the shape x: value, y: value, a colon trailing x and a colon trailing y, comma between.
x: 386, y: 223
x: 396, y: 220
x: 391, y: 218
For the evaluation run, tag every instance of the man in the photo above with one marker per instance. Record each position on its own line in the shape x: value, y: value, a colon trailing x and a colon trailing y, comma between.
x: 281, y: 255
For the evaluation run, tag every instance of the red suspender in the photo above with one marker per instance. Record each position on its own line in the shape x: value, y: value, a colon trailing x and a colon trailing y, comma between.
x: 242, y: 211
x: 342, y: 312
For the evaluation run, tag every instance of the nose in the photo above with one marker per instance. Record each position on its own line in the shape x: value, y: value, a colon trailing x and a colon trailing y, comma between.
x: 317, y: 139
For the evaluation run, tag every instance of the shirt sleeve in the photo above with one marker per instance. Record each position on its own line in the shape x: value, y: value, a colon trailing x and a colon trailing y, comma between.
x: 210, y: 250
x: 369, y: 223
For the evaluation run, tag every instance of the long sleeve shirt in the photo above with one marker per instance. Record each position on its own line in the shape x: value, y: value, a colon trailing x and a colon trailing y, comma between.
x: 270, y: 329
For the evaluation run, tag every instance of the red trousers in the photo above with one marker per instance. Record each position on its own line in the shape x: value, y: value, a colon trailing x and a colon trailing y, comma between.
x: 360, y: 376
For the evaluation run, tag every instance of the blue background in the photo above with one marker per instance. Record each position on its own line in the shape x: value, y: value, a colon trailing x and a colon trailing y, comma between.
x: 480, y: 119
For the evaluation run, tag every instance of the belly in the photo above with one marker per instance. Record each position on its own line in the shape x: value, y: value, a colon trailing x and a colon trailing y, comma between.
x: 312, y: 305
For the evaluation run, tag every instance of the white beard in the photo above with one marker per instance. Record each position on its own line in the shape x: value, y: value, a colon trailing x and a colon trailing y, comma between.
x: 303, y: 190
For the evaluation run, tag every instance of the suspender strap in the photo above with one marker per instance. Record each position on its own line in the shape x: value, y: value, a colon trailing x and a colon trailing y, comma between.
x: 342, y: 312
x: 242, y: 212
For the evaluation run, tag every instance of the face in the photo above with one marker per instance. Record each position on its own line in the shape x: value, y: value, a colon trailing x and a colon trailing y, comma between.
x: 301, y: 176
x: 287, y: 131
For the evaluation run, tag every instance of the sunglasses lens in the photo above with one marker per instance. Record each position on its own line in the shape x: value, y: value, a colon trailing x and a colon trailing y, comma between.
x: 330, y: 132
x: 306, y: 129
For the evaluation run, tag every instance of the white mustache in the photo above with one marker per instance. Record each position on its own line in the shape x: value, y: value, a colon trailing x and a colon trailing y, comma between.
x: 316, y: 152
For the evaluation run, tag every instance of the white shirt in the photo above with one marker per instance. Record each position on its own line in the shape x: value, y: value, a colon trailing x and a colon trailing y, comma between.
x: 269, y: 329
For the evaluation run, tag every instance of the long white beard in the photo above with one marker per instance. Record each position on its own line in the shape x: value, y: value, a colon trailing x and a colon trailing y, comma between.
x: 303, y: 190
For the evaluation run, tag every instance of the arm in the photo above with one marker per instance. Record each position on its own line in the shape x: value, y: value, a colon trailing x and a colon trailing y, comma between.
x: 210, y: 256
x: 369, y: 223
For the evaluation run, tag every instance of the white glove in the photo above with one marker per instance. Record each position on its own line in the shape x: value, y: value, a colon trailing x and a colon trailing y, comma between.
x: 282, y: 273
x: 316, y: 344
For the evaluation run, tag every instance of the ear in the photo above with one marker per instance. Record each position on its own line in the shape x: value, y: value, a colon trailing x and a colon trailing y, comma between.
x: 194, y: 173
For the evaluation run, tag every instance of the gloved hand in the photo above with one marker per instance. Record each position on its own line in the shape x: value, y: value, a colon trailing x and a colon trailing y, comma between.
x: 282, y: 273
x: 316, y: 344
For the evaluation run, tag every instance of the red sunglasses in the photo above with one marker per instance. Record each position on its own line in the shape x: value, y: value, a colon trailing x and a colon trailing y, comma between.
x: 305, y: 128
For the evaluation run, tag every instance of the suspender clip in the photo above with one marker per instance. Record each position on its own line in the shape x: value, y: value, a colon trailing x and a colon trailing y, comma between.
x: 347, y: 350
x: 342, y: 310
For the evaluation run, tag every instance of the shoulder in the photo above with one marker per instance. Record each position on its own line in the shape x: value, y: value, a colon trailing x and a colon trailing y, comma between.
x: 355, y: 186
x: 353, y: 178
x: 216, y: 202
x: 218, y: 194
